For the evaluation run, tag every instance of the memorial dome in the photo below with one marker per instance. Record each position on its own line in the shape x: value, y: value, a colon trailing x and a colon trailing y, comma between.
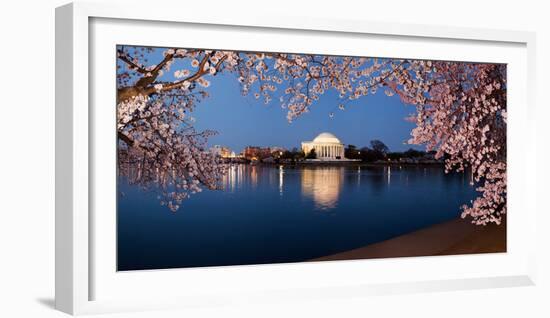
x: 326, y: 138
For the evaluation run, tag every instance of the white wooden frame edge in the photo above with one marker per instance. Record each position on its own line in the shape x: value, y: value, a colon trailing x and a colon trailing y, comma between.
x: 71, y: 132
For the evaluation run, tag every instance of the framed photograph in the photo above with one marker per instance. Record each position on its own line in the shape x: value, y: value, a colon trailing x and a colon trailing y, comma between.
x: 214, y: 159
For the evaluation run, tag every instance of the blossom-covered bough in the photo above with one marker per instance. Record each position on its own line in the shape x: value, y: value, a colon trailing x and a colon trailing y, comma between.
x: 460, y: 111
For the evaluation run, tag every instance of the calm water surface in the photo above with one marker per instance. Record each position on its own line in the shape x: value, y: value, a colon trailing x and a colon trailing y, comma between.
x: 274, y: 214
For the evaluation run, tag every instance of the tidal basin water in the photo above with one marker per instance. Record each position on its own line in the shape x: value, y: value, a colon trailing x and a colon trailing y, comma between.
x: 277, y: 214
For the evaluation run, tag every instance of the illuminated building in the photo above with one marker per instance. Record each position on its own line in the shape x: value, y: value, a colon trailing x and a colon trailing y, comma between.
x: 326, y: 145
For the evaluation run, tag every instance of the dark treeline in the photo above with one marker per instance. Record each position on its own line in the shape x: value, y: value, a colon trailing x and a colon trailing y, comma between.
x: 377, y: 151
x: 296, y: 155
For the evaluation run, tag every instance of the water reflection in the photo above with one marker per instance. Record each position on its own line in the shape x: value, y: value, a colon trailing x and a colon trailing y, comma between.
x: 323, y: 185
x: 388, y: 172
x: 234, y: 178
x: 377, y: 180
x: 254, y: 176
x: 281, y: 179
x: 270, y: 214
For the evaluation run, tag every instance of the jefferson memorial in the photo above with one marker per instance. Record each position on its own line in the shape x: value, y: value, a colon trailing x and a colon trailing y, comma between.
x: 327, y: 147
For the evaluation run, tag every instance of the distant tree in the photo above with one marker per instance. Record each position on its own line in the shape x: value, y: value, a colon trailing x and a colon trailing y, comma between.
x: 394, y: 155
x: 287, y: 155
x: 294, y: 154
x: 413, y: 153
x: 311, y: 154
x: 351, y: 152
x: 379, y: 146
x: 369, y: 155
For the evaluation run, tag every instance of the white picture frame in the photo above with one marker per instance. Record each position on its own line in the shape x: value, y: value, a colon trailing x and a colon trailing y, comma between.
x: 81, y: 258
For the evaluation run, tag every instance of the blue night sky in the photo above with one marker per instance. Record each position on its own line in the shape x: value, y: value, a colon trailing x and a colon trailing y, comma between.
x: 245, y: 121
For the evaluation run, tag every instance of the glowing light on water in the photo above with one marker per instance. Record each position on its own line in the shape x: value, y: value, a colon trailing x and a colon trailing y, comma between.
x: 281, y: 177
x: 389, y: 175
x: 254, y: 176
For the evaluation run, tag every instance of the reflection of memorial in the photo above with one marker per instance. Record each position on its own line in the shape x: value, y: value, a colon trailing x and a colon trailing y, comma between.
x: 323, y: 185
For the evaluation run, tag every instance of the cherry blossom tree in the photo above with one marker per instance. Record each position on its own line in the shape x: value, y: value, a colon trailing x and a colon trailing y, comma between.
x: 460, y: 111
x: 159, y: 148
